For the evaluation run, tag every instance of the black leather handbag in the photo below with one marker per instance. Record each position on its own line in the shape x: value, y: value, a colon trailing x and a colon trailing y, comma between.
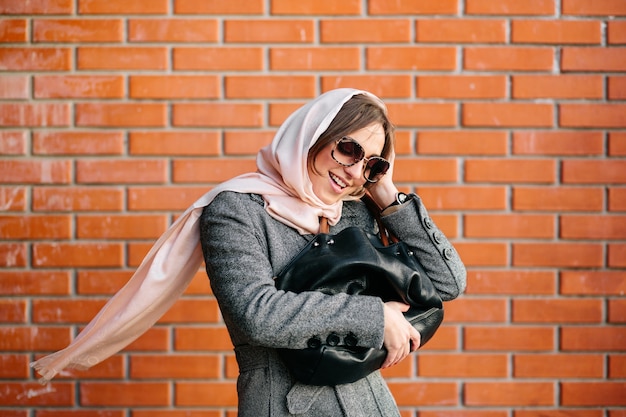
x: 355, y: 262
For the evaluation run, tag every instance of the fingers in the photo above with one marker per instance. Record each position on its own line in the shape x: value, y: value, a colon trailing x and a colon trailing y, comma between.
x: 400, y: 337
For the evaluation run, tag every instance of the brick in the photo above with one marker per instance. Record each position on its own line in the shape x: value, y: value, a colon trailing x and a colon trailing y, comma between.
x: 593, y: 59
x: 507, y: 114
x: 315, y: 58
x: 173, y: 30
x: 518, y: 226
x: 174, y: 87
x: 217, y: 115
x: 33, y: 394
x: 34, y: 227
x: 202, y: 338
x: 483, y: 254
x: 269, y: 86
x: 36, y: 171
x: 174, y: 143
x: 510, y: 170
x: 617, y: 366
x: 511, y: 282
x: 13, y: 366
x: 121, y: 114
x: 365, y: 30
x: 124, y: 394
x: 28, y: 339
x: 551, y: 310
x: 461, y: 30
x: 121, y: 58
x: 510, y: 7
x: 388, y: 86
x: 17, y: 283
x: 176, y: 366
x: 136, y: 253
x: 12, y: 254
x: 197, y: 170
x: 558, y: 366
x: 605, y: 283
x: 13, y: 30
x: 157, y: 339
x: 208, y: 394
x: 14, y: 87
x: 12, y: 143
x: 242, y: 142
x: 78, y: 30
x: 144, y: 171
x: 604, y: 394
x: 122, y: 7
x: 79, y: 413
x: 35, y: 59
x: 77, y: 199
x: 617, y: 144
x: 410, y: 7
x: 463, y: 413
x: 558, y: 142
x: 561, y: 198
x: 462, y: 142
x: 592, y: 115
x: 12, y: 198
x: 34, y: 115
x: 592, y: 227
x: 411, y: 58
x: 95, y: 282
x: 37, y: 7
x: 463, y: 366
x: 509, y: 393
x: 446, y: 338
x: 510, y: 58
x: 12, y: 311
x: 177, y: 413
x: 65, y: 311
x: 78, y: 143
x: 559, y: 32
x: 435, y: 170
x: 120, y: 226
x: 78, y: 86
x: 423, y: 114
x: 477, y: 310
x: 616, y: 32
x: 617, y: 311
x: 162, y: 198
x: 77, y: 255
x: 617, y: 199
x: 192, y: 311
x: 617, y: 255
x: 582, y: 171
x: 616, y: 88
x: 412, y: 394
x: 315, y: 7
x: 238, y: 7
x: 558, y: 255
x: 268, y: 31
x: 597, y: 8
x: 558, y: 86
x: 463, y: 198
x: 461, y: 86
x: 218, y: 59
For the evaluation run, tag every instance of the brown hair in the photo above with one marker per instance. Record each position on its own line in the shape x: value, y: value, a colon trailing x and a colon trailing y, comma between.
x: 358, y: 112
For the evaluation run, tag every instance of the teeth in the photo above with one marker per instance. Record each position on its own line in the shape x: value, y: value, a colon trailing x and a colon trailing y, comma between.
x: 338, y: 181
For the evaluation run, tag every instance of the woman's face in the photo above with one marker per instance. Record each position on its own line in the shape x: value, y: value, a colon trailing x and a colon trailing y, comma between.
x: 333, y: 182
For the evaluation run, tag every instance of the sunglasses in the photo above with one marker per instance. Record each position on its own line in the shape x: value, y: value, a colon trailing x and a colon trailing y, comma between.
x: 348, y: 152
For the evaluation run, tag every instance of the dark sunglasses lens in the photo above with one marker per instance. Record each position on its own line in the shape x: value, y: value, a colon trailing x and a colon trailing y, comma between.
x: 350, y: 151
x: 375, y: 169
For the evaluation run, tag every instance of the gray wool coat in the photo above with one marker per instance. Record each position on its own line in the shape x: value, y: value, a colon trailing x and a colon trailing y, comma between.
x: 244, y: 248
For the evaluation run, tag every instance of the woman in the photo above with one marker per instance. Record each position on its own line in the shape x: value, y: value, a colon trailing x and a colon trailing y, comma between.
x: 322, y: 159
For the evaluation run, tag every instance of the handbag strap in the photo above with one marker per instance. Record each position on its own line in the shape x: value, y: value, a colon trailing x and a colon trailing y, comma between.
x: 385, y: 235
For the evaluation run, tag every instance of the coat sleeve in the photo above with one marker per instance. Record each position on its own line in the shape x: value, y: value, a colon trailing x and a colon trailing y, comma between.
x: 411, y: 223
x: 237, y: 251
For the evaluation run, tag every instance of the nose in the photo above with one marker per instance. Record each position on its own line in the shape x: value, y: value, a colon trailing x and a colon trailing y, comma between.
x: 356, y: 171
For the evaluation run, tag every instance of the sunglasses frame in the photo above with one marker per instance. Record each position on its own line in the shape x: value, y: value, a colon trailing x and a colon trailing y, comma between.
x: 362, y: 158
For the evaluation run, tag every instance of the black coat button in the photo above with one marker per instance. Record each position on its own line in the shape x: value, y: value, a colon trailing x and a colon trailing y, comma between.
x: 314, y: 342
x: 333, y: 339
x: 351, y: 339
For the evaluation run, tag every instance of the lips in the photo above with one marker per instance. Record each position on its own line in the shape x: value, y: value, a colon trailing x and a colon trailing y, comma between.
x: 338, y: 181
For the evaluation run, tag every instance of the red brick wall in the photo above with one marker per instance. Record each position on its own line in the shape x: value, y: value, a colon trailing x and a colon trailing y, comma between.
x: 117, y: 114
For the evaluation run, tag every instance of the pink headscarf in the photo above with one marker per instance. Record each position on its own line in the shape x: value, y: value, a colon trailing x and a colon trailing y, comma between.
x: 169, y: 266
